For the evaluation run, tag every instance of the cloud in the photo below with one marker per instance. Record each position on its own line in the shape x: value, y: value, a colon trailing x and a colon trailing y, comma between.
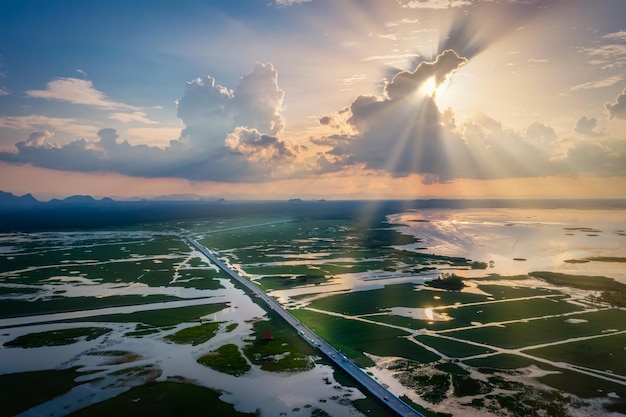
x: 237, y: 135
x: 406, y: 83
x: 4, y: 91
x: 607, y: 82
x: 617, y: 110
x: 400, y: 133
x: 605, y: 158
x: 540, y: 134
x: 211, y: 111
x: 137, y: 116
x: 611, y: 52
x: 259, y: 148
x: 161, y: 136
x: 586, y: 126
x: 39, y: 138
x: 346, y: 82
x: 77, y: 91
x: 38, y: 122
x: 286, y: 3
x: 229, y: 135
x: 434, y: 4
x: 395, y: 57
x: 404, y: 132
x: 258, y: 100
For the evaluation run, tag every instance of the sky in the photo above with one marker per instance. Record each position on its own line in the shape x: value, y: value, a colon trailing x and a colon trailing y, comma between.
x: 335, y: 99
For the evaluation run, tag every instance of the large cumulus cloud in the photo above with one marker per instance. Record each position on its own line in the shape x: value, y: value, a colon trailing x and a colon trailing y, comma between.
x: 236, y: 135
x: 404, y: 132
x: 229, y: 135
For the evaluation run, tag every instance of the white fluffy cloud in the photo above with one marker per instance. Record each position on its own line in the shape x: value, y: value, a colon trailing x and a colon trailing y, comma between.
x: 236, y: 135
x: 77, y: 91
x: 229, y: 135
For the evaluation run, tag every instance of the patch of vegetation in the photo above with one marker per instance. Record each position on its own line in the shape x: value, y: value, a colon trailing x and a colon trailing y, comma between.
x: 117, y: 357
x: 57, y: 337
x: 145, y: 373
x: 355, y: 337
x: 520, y: 334
x: 530, y: 402
x: 419, y: 408
x: 503, y: 292
x: 277, y: 348
x: 581, y: 385
x: 478, y: 265
x: 465, y: 386
x: 452, y: 348
x: 231, y: 327
x: 500, y: 361
x: 284, y: 282
x: 24, y: 390
x: 194, y: 335
x: 510, y: 310
x: 160, y: 318
x: 501, y: 383
x: 4, y: 291
x: 617, y: 299
x: 447, y: 281
x: 600, y: 353
x: 432, y: 388
x: 400, y: 295
x: 163, y: 399
x: 226, y: 359
x: 607, y: 259
x: 583, y: 282
x: 16, y: 308
x: 318, y: 412
x: 451, y: 368
x: 371, y: 407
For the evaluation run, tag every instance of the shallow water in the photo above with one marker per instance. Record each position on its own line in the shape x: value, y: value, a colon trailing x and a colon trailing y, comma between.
x: 519, y: 241
x: 294, y: 394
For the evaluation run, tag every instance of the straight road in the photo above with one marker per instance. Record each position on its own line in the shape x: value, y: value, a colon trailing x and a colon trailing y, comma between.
x: 366, y: 381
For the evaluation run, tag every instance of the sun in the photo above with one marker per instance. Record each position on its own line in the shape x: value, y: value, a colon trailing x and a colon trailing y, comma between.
x: 431, y: 89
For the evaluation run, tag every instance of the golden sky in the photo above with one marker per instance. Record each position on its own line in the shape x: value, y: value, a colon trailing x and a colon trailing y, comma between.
x: 314, y: 99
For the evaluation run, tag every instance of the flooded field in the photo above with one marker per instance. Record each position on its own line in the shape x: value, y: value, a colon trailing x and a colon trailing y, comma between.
x: 537, y: 325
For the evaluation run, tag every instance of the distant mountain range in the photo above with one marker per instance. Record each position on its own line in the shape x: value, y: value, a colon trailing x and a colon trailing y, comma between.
x: 11, y: 201
x: 26, y: 213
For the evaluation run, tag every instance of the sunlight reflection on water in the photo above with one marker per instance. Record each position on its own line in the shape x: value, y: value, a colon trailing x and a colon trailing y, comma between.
x: 519, y: 241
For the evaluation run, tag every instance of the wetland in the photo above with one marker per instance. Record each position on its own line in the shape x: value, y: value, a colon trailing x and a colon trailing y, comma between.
x: 123, y: 316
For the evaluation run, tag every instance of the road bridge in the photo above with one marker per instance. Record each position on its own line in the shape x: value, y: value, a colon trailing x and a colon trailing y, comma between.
x: 366, y: 381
